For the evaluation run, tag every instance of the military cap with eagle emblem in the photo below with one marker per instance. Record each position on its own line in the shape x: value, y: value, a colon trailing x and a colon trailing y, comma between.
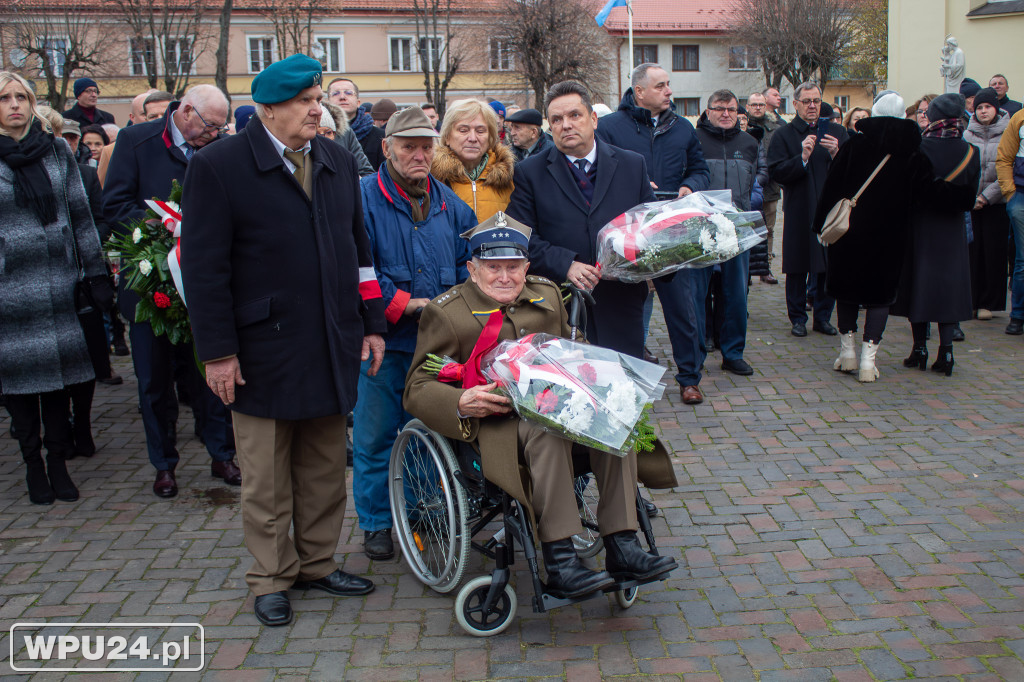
x: 499, y: 237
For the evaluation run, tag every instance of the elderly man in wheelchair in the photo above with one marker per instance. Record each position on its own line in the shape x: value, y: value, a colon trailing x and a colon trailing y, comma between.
x: 500, y: 301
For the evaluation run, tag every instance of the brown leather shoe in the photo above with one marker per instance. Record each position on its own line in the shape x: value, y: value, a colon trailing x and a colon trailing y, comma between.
x: 692, y: 395
x: 769, y: 279
x: 165, y: 485
x: 228, y: 471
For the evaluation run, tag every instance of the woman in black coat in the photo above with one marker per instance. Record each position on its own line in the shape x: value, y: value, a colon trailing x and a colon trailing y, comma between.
x: 935, y: 285
x: 864, y: 266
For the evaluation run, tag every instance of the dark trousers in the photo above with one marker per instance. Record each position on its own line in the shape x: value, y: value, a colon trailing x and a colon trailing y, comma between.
x: 988, y: 257
x: 796, y: 297
x: 155, y: 358
x: 49, y: 411
x: 678, y: 298
x: 729, y: 306
x: 874, y: 320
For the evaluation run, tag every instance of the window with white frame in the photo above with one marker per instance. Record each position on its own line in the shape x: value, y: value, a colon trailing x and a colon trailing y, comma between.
x: 401, y: 54
x: 842, y: 101
x: 178, y: 53
x: 261, y: 53
x: 501, y: 55
x: 56, y: 49
x: 430, y: 50
x: 142, y: 56
x: 742, y: 58
x: 332, y: 57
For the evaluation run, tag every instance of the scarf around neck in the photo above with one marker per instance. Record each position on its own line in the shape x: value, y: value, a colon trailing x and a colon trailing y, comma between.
x: 361, y: 124
x: 32, y: 185
x: 476, y: 172
x: 418, y: 194
x: 944, y: 127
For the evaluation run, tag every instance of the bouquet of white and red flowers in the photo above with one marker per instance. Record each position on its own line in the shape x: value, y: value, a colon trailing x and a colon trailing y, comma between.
x: 590, y: 395
x: 654, y: 239
x: 150, y: 262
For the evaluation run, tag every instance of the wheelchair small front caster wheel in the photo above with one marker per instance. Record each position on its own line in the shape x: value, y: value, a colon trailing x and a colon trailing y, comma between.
x: 469, y: 608
x: 626, y: 597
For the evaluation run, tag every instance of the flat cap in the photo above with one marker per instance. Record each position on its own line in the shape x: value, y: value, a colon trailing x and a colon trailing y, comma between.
x: 71, y: 128
x: 411, y: 122
x: 285, y: 79
x: 531, y: 116
x: 499, y: 237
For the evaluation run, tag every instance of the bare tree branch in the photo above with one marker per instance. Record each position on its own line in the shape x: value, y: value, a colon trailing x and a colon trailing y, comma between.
x: 440, y: 50
x: 293, y: 23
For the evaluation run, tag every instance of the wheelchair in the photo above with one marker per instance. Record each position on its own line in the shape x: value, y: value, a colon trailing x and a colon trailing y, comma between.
x: 441, y: 503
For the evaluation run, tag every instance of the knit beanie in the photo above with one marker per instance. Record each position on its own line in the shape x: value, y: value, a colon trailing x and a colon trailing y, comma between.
x: 82, y: 83
x: 888, y: 103
x: 986, y: 96
x: 949, y: 105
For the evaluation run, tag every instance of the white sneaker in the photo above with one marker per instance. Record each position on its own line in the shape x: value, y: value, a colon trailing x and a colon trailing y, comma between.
x: 847, y: 360
x: 867, y: 371
x: 984, y: 314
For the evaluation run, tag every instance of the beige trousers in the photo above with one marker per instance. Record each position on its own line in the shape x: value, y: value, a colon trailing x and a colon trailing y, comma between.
x: 293, y: 475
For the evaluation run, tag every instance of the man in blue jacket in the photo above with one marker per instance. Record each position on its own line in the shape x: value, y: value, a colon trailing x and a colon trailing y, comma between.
x: 647, y: 124
x: 414, y: 223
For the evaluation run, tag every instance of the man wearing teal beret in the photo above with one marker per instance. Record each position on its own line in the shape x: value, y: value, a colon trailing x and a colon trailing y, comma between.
x: 284, y: 304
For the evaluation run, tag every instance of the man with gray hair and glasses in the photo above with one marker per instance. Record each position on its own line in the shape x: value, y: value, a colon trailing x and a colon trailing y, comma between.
x: 798, y: 159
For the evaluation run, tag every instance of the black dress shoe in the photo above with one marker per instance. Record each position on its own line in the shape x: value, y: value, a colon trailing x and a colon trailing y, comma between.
x: 377, y: 544
x: 740, y: 367
x: 112, y: 380
x: 1015, y: 327
x: 626, y: 560
x: 825, y: 328
x: 339, y: 583
x: 165, y: 485
x: 227, y: 471
x: 958, y: 333
x: 649, y: 507
x: 274, y: 609
x: 649, y: 356
x: 799, y: 329
x: 568, y: 578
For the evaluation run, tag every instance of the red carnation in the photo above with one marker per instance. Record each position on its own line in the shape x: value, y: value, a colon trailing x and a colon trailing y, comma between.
x: 588, y: 373
x: 161, y: 300
x: 547, y: 401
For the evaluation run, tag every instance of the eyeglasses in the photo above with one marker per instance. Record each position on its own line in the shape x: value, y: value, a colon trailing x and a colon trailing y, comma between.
x: 347, y: 93
x: 219, y: 129
x: 90, y: 91
x: 808, y: 102
x: 719, y: 110
x: 756, y: 106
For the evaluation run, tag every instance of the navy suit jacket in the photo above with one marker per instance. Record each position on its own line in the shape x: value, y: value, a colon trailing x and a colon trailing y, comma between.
x: 565, y: 227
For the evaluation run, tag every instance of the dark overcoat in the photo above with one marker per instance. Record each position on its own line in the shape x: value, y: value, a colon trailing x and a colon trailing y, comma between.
x: 275, y: 278
x: 864, y: 266
x: 565, y: 229
x: 935, y: 285
x: 144, y: 164
x: 801, y: 187
x: 450, y: 328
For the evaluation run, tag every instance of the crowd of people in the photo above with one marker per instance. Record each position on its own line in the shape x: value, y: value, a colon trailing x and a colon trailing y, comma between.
x: 332, y: 244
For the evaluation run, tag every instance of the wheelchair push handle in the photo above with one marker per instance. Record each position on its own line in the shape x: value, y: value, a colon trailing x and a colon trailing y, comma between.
x: 578, y: 298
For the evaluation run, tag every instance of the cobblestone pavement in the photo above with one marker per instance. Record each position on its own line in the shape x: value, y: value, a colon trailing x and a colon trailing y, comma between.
x: 825, y: 530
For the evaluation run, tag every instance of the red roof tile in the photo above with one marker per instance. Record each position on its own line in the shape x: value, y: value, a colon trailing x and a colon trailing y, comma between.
x: 672, y: 16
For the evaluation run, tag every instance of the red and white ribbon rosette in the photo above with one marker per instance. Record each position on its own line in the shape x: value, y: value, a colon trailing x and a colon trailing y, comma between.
x: 170, y: 216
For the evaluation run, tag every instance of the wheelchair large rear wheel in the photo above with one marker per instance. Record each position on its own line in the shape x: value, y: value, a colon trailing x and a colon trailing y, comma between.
x: 588, y: 543
x: 428, y: 505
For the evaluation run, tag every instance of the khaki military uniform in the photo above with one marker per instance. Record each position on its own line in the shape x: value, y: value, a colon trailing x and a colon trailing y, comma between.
x: 450, y: 326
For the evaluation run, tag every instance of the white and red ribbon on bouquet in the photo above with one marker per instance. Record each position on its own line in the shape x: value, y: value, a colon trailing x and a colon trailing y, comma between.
x: 170, y: 217
x: 632, y: 228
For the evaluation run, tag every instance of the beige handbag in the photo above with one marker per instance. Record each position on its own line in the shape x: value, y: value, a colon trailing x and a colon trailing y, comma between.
x: 837, y: 222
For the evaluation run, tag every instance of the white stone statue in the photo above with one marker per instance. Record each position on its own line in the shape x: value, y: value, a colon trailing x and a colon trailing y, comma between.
x: 953, y: 64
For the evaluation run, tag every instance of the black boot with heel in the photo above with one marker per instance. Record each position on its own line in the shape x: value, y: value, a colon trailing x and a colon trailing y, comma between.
x: 944, y: 361
x: 918, y: 358
x: 57, y: 470
x: 39, y: 489
x: 568, y: 578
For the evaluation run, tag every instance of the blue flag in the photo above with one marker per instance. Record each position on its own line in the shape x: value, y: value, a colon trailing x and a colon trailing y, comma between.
x: 602, y: 16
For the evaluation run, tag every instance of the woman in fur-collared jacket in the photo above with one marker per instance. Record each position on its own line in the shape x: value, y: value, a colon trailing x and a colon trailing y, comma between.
x: 471, y: 159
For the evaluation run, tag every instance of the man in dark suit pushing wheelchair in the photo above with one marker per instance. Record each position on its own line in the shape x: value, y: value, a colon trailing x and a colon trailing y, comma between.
x: 530, y: 464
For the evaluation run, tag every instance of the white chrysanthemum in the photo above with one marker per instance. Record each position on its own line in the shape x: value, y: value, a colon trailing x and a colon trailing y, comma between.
x: 145, y: 267
x: 577, y: 414
x: 137, y: 235
x: 621, y: 401
x: 727, y: 241
x: 707, y: 242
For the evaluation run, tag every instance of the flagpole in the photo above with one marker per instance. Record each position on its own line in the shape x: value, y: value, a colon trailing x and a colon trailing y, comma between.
x: 629, y: 10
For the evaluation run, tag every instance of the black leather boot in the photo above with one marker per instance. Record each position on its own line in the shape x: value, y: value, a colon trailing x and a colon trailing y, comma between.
x: 944, y: 361
x: 626, y: 560
x: 918, y: 358
x: 567, y: 576
x: 63, y: 487
x: 39, y: 489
